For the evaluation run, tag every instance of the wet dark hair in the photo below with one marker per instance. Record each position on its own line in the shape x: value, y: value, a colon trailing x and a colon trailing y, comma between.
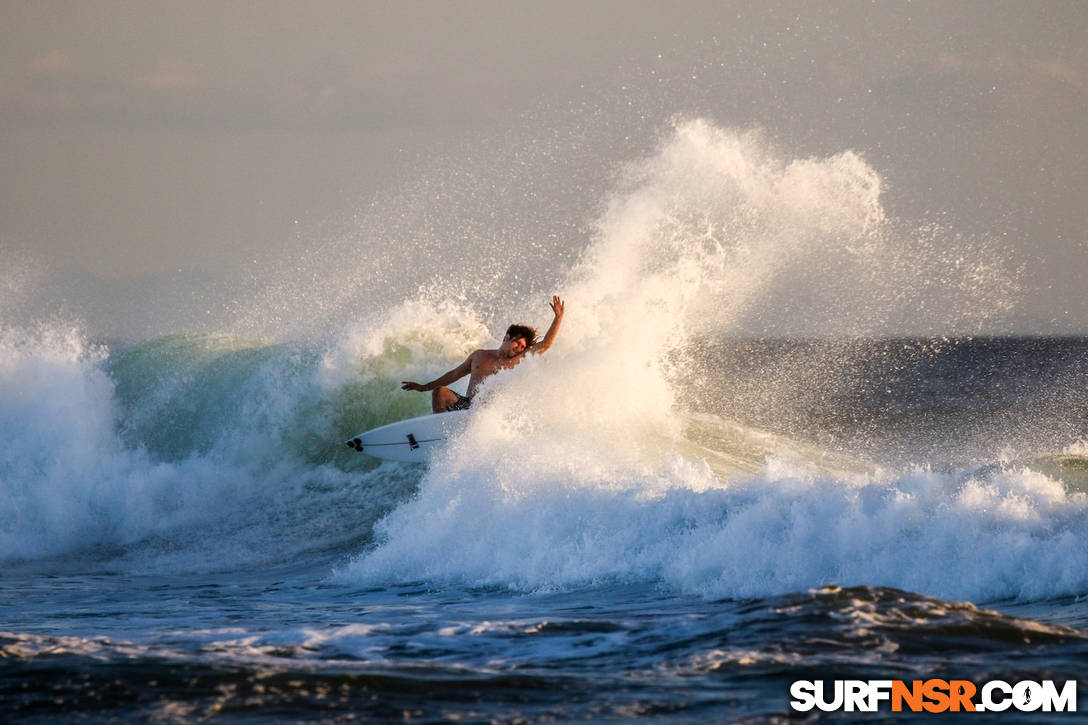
x: 524, y: 332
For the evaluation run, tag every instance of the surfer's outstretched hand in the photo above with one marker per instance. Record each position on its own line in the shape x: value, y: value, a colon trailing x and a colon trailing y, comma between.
x: 556, y: 305
x: 406, y: 385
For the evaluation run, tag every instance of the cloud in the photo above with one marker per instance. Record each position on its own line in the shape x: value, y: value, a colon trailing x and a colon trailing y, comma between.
x: 47, y: 85
x: 53, y: 64
x: 173, y: 91
x: 1060, y: 71
x: 47, y: 101
x: 169, y: 77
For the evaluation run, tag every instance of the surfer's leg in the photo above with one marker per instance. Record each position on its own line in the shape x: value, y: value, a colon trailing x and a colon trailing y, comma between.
x: 442, y: 398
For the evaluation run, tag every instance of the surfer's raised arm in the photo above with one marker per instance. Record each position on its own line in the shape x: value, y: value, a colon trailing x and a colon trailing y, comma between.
x: 549, y: 337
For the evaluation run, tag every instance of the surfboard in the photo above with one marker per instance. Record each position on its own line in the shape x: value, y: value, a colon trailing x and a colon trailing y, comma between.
x: 412, y: 440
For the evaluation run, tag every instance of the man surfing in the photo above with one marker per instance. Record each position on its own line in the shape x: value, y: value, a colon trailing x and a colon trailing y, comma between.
x: 519, y: 340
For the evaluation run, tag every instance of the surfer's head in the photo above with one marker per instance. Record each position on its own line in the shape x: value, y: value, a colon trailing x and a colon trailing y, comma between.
x: 519, y: 338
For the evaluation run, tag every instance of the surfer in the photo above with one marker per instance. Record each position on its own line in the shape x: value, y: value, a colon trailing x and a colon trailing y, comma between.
x: 519, y: 340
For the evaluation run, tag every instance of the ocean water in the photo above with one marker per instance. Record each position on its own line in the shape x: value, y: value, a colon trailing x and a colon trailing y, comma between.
x: 734, y: 470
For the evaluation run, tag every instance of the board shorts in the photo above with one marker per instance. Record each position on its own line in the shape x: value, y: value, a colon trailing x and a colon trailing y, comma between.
x: 462, y: 403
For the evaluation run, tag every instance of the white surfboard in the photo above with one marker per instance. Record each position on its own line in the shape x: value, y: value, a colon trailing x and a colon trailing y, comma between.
x: 412, y: 440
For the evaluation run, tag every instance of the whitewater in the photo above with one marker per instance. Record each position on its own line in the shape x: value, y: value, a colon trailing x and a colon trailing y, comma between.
x: 768, y: 444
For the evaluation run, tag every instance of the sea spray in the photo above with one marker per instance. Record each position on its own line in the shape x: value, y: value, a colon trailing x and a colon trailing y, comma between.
x: 404, y: 341
x: 572, y: 470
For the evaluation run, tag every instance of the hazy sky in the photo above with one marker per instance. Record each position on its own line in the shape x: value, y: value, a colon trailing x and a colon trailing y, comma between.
x: 189, y: 143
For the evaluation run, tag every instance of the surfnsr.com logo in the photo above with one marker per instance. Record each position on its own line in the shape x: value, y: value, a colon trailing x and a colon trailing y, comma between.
x: 933, y: 696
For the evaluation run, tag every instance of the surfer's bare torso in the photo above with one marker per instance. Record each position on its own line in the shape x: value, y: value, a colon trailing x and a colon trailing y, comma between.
x: 485, y: 363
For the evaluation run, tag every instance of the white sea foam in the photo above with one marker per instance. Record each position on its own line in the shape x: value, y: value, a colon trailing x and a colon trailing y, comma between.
x: 195, y: 451
x: 574, y: 468
x: 57, y: 413
x: 1016, y: 533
